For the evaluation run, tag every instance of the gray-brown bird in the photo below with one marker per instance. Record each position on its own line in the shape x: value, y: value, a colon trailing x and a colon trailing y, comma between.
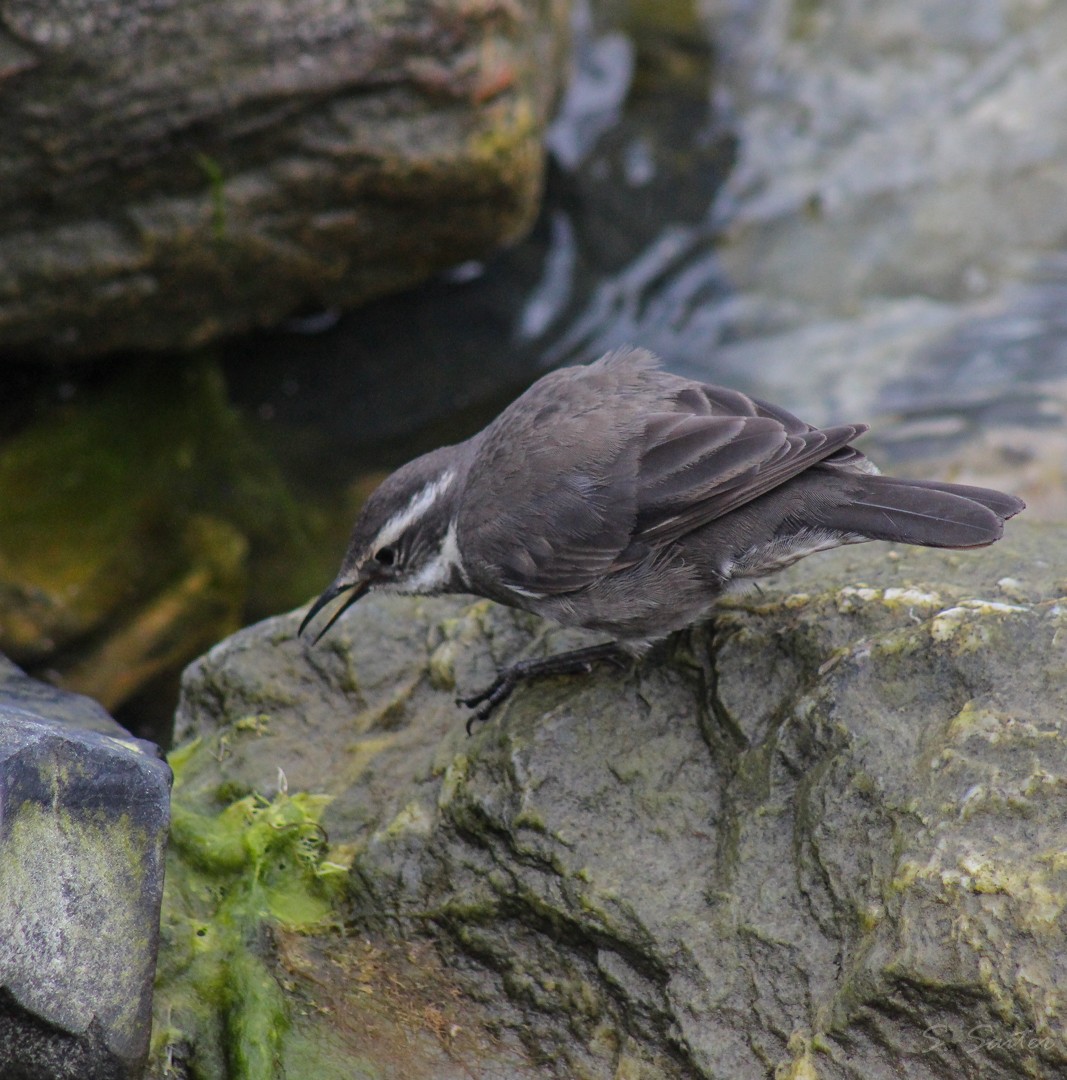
x: 623, y: 499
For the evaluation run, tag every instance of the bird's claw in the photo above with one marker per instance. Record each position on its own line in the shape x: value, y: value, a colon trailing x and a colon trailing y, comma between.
x: 489, y: 698
x: 499, y: 690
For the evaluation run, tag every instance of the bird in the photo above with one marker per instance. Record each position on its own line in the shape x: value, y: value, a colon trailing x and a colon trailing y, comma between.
x: 624, y: 499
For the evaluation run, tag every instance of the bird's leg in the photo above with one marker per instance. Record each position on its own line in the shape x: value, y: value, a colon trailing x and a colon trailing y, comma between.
x: 575, y: 662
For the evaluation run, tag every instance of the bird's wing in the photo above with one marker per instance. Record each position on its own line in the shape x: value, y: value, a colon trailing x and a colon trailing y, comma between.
x: 550, y: 500
x: 593, y: 473
x: 699, y: 462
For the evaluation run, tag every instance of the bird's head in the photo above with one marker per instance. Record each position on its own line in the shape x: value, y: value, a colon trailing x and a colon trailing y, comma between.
x: 404, y: 539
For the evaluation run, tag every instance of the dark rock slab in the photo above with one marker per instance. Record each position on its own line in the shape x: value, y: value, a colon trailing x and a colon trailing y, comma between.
x: 820, y: 837
x: 19, y: 692
x: 171, y: 173
x: 84, y: 809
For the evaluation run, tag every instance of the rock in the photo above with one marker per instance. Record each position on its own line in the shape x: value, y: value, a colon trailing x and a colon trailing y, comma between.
x: 84, y: 809
x: 134, y: 519
x: 822, y: 836
x: 175, y: 174
x: 33, y: 697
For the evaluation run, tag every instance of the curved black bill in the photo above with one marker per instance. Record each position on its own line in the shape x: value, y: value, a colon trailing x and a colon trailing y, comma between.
x: 358, y: 589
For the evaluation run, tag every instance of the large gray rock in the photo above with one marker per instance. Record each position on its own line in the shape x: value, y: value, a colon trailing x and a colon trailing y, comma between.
x: 83, y: 823
x: 821, y: 837
x: 170, y: 173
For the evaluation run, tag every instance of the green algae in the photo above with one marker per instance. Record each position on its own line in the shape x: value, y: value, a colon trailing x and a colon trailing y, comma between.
x: 802, y: 1066
x: 234, y: 877
x: 101, y: 501
x: 216, y: 179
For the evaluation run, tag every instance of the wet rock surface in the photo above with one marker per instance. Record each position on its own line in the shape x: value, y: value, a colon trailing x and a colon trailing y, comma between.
x: 84, y: 810
x: 821, y: 836
x: 133, y: 522
x: 183, y: 172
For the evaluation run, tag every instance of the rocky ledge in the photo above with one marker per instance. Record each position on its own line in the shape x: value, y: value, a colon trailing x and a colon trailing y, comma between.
x: 175, y: 173
x: 821, y: 837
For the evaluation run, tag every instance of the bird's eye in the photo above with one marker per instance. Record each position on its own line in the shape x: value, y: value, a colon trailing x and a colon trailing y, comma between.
x: 385, y: 556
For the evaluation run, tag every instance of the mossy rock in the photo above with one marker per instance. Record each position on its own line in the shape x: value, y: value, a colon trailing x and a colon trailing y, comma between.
x: 821, y: 836
x: 131, y: 519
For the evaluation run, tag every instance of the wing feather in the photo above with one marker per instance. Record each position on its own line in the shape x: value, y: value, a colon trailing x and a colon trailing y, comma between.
x: 753, y: 464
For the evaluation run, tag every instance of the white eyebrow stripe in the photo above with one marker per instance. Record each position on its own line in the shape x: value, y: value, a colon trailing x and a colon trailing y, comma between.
x: 398, y: 524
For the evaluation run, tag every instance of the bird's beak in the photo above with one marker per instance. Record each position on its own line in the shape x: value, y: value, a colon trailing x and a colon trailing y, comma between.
x: 358, y: 589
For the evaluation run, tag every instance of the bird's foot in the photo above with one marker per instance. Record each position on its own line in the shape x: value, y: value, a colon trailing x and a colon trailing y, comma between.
x: 576, y: 662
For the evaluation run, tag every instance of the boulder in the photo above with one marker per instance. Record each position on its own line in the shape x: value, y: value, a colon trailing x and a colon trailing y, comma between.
x: 133, y: 520
x: 84, y: 810
x: 821, y: 836
x: 173, y: 173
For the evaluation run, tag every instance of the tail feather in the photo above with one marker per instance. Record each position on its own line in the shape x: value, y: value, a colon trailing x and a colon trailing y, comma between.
x: 1004, y: 506
x: 924, y: 512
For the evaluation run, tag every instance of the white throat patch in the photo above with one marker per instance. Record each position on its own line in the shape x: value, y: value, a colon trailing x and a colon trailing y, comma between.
x: 437, y: 573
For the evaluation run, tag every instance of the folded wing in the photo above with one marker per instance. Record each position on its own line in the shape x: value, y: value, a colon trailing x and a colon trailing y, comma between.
x: 637, y: 459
